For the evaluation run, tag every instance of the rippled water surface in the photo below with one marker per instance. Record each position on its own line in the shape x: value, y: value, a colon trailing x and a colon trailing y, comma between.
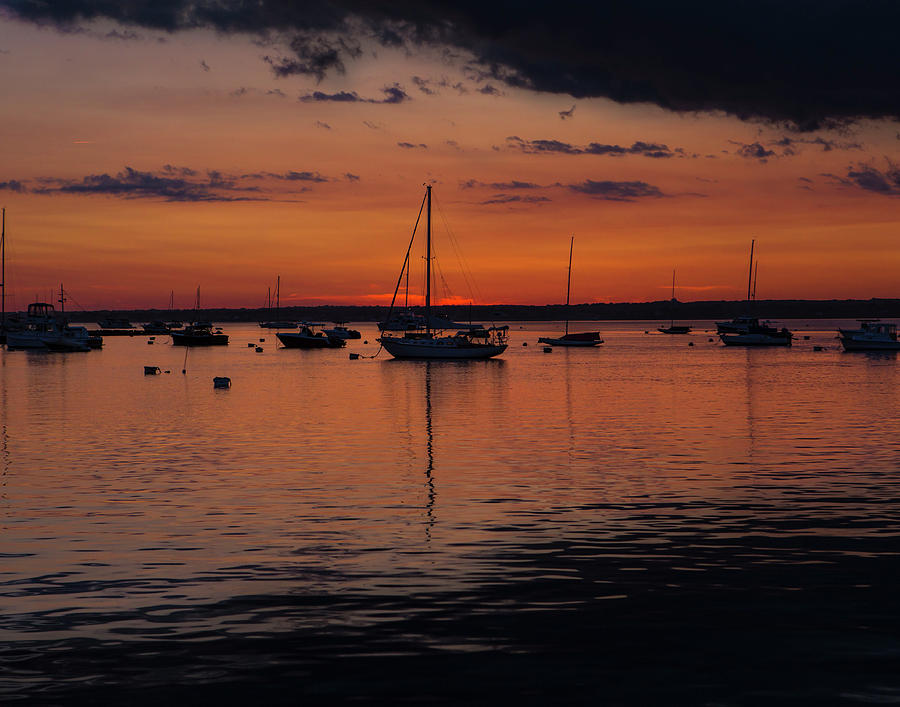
x: 644, y: 523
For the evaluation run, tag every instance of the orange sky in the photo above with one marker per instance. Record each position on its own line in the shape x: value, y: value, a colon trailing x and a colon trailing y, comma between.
x: 76, y: 105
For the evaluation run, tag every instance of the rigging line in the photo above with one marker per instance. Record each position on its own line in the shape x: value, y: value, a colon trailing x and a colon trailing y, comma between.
x: 465, y: 269
x: 400, y: 276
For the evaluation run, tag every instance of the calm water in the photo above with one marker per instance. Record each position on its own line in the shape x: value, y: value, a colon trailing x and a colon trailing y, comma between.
x: 644, y: 523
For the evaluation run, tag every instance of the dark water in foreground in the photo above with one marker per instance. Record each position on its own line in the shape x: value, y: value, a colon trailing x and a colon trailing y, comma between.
x: 646, y: 523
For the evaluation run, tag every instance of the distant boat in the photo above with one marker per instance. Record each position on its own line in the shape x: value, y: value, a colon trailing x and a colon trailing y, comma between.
x: 200, y: 333
x: 588, y: 338
x: 471, y: 342
x: 872, y: 335
x: 403, y: 321
x: 758, y: 334
x: 115, y: 323
x: 310, y: 338
x: 342, y: 332
x: 277, y: 323
x: 742, y: 324
x: 672, y: 329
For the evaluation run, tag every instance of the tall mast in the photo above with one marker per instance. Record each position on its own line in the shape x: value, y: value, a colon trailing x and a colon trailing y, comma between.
x: 277, y: 295
x: 750, y: 273
x: 428, y: 265
x: 197, y: 303
x: 672, y: 323
x: 3, y: 267
x: 569, y: 281
x: 755, y: 271
x: 62, y: 300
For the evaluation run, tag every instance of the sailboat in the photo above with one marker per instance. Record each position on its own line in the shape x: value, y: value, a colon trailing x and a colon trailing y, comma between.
x: 472, y: 341
x: 277, y: 323
x: 587, y: 338
x: 672, y: 329
x: 199, y: 333
x: 748, y: 330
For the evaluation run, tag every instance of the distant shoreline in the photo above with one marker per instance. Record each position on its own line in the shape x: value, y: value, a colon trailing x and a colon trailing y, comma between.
x: 715, y: 309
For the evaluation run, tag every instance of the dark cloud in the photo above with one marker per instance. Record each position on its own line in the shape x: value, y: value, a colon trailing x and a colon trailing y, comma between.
x: 515, y: 198
x: 410, y: 145
x: 351, y: 177
x: 173, y: 183
x: 790, y: 145
x: 392, y: 95
x: 204, y: 65
x: 500, y: 186
x: 238, y: 92
x: 276, y: 92
x: 811, y: 63
x: 566, y: 114
x: 616, y: 191
x: 324, y: 126
x: 490, y: 90
x: 753, y: 151
x: 644, y: 149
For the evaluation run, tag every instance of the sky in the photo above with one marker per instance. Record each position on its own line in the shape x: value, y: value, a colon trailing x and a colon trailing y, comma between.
x: 154, y: 147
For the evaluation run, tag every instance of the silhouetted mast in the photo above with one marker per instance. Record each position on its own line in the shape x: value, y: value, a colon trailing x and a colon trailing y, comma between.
x: 672, y: 323
x: 62, y: 300
x: 3, y: 271
x: 755, y: 271
x: 750, y: 272
x: 428, y: 265
x: 569, y: 281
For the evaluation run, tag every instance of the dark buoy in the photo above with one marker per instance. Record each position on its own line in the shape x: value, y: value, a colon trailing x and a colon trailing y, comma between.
x: 354, y: 356
x: 524, y: 343
x: 806, y: 338
x: 221, y: 382
x: 366, y: 341
x: 690, y: 343
x: 259, y: 349
x: 818, y: 348
x: 151, y: 370
x: 150, y: 342
x: 167, y: 371
x: 250, y: 346
x: 710, y: 339
x: 262, y: 341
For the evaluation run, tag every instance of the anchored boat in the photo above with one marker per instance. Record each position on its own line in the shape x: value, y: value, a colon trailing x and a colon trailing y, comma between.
x: 586, y: 338
x: 471, y: 341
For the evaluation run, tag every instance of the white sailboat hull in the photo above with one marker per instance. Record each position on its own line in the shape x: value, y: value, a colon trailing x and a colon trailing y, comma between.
x: 440, y: 348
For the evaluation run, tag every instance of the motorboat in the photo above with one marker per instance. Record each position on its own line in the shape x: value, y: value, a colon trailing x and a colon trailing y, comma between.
x: 872, y: 335
x: 470, y: 342
x: 309, y: 337
x: 43, y: 329
x: 343, y: 332
x: 403, y: 321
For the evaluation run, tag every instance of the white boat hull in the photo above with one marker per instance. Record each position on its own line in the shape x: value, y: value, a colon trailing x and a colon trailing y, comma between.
x: 442, y: 348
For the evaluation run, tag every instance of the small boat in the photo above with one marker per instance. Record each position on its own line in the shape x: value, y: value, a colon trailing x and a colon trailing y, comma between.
x: 309, y: 338
x: 115, y: 323
x: 758, y: 334
x: 199, y: 334
x: 473, y: 342
x: 343, y: 332
x: 403, y: 321
x: 872, y: 335
x: 276, y: 323
x: 156, y: 327
x: 738, y: 325
x: 587, y: 338
x: 672, y: 328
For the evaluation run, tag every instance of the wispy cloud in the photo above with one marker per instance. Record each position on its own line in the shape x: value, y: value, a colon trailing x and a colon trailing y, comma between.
x: 566, y: 114
x: 616, y: 191
x: 549, y: 146
x: 870, y: 179
x: 393, y: 94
